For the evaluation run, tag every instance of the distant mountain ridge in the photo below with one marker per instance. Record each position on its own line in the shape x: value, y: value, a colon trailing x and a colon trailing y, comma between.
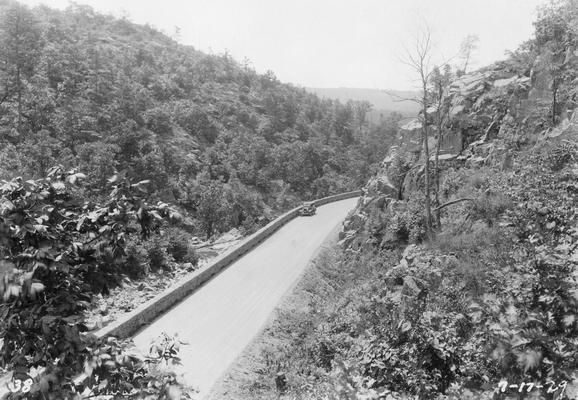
x: 383, y: 101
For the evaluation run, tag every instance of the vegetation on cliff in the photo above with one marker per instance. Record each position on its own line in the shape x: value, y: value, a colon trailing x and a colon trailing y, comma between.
x: 488, y: 297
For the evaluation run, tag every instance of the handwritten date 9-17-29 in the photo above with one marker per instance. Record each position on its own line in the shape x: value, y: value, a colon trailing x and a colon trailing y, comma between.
x: 550, y: 387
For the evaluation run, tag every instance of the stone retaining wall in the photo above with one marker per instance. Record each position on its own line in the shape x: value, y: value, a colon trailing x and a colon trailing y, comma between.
x: 147, y: 312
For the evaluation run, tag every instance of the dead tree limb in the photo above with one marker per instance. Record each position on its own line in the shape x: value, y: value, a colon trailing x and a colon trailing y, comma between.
x: 449, y: 203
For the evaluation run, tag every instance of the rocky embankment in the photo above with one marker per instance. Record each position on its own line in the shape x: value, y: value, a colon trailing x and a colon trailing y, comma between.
x: 132, y: 294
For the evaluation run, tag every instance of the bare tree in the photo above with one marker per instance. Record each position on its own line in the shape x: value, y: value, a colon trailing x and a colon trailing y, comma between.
x: 419, y: 60
x: 432, y: 94
x: 467, y: 48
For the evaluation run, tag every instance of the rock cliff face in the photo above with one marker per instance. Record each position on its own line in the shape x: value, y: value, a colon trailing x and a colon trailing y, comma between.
x: 493, y: 109
x: 491, y: 114
x: 481, y: 106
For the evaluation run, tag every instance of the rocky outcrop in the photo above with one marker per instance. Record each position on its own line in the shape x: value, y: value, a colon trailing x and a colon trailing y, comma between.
x: 351, y: 227
x: 380, y: 185
x: 480, y: 101
x: 484, y: 106
x: 378, y: 193
x: 492, y: 113
x: 566, y: 130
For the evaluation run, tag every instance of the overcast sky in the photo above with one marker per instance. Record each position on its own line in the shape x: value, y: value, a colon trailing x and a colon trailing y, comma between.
x: 331, y: 43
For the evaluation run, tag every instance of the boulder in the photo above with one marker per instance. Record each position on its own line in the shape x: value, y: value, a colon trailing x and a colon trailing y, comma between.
x: 443, y: 157
x: 403, y: 264
x: 382, y: 202
x: 189, y: 267
x: 356, y: 222
x: 410, y: 286
x: 454, y: 111
x: 411, y: 126
x: 505, y: 82
x: 346, y: 239
x: 470, y: 85
x: 566, y: 129
x: 410, y: 182
x: 410, y: 252
x: 380, y: 185
x: 475, y: 162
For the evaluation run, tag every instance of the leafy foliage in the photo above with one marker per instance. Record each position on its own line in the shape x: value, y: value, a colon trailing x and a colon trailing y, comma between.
x: 57, y: 249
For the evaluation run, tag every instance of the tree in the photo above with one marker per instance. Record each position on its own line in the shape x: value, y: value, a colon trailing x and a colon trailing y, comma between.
x: 468, y: 46
x: 419, y: 60
x: 212, y: 206
x: 440, y: 83
x: 556, y: 36
x: 362, y: 108
x: 19, y: 49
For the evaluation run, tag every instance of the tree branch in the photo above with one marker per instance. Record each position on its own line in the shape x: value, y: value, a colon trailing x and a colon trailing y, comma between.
x: 397, y: 98
x: 449, y: 203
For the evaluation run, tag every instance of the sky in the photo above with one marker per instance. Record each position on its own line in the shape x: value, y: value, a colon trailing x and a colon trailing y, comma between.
x: 332, y: 43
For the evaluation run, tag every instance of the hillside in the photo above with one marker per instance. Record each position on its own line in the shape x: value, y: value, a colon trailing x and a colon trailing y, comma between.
x: 100, y: 95
x: 383, y: 101
x: 119, y: 149
x: 480, y: 302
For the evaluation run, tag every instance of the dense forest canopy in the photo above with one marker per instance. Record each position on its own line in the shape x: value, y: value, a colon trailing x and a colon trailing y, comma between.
x: 101, y: 94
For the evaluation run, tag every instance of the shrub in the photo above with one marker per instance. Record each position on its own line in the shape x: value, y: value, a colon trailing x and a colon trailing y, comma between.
x: 177, y: 243
x: 452, y: 181
x: 250, y: 226
x: 405, y: 222
x: 54, y: 246
x: 179, y: 246
x: 158, y: 257
x: 489, y: 206
x: 561, y: 155
x: 136, y: 264
x: 479, y: 238
x: 191, y: 256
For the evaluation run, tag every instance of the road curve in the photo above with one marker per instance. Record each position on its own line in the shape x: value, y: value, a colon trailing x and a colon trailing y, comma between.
x: 224, y: 315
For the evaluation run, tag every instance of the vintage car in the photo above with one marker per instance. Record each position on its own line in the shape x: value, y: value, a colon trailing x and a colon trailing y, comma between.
x: 308, y: 208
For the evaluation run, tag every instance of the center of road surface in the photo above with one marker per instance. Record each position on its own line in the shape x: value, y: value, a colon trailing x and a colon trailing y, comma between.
x: 222, y: 317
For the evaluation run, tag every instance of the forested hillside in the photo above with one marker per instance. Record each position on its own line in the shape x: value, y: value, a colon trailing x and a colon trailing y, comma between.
x: 101, y: 94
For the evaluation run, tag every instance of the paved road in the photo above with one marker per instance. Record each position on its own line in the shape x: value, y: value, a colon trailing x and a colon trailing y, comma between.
x: 224, y: 315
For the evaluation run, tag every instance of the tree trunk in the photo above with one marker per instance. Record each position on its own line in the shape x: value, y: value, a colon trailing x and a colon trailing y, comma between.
x: 426, y: 153
x: 554, y: 100
x: 19, y: 88
x: 437, y: 174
